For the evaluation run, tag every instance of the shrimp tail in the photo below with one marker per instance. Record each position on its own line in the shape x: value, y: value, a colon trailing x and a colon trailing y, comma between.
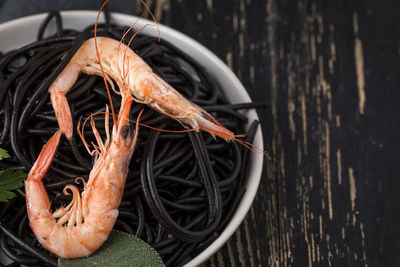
x: 43, y: 162
x: 58, y: 90
x: 37, y: 198
x: 63, y: 113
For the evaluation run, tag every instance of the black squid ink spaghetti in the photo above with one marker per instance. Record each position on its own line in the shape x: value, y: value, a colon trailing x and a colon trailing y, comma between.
x: 182, y: 188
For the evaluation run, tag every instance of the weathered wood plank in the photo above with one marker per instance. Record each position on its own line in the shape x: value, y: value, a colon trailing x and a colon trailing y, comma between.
x: 336, y: 172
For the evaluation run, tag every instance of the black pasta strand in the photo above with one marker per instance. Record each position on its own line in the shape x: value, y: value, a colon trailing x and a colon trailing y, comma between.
x: 209, y: 180
x: 178, y: 251
x: 180, y: 181
x: 5, y: 85
x: 45, y: 23
x: 140, y: 225
x: 27, y: 247
x: 237, y: 165
x: 250, y: 105
x: 7, y: 119
x: 13, y: 254
x: 32, y: 75
x: 30, y: 47
x: 155, y: 203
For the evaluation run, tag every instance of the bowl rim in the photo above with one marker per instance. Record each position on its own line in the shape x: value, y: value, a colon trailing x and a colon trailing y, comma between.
x: 187, y: 44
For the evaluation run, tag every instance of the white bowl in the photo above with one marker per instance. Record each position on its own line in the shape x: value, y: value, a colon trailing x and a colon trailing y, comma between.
x: 19, y: 32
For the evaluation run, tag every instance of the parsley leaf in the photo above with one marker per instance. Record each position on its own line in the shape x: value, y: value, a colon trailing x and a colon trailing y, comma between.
x: 3, y: 153
x: 10, y: 180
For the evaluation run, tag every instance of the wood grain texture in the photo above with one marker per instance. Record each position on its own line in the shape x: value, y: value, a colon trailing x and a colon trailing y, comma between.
x: 332, y: 194
x: 328, y: 71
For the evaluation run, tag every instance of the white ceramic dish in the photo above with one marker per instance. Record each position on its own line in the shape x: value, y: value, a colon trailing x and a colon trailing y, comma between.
x: 22, y: 31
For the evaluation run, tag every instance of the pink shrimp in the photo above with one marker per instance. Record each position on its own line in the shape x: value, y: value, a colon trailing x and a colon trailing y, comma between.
x: 129, y: 71
x: 80, y: 228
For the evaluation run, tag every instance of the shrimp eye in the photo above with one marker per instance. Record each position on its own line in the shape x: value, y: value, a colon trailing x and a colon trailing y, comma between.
x: 125, y: 131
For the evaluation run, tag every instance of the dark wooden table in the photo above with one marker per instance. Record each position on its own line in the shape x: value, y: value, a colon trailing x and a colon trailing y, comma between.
x: 329, y: 72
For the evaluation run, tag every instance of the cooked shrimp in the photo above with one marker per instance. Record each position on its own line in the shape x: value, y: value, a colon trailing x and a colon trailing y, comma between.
x: 80, y: 228
x: 129, y: 71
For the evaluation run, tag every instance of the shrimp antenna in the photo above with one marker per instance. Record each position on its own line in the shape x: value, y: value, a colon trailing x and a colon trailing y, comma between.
x: 101, y: 65
x: 133, y: 25
x: 122, y: 40
x: 147, y: 10
x: 251, y: 147
x: 81, y: 133
x: 125, y: 73
x: 154, y: 18
x: 129, y: 43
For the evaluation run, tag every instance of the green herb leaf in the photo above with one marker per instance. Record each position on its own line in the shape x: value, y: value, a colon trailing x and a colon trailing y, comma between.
x: 120, y: 249
x: 3, y: 153
x: 10, y: 180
